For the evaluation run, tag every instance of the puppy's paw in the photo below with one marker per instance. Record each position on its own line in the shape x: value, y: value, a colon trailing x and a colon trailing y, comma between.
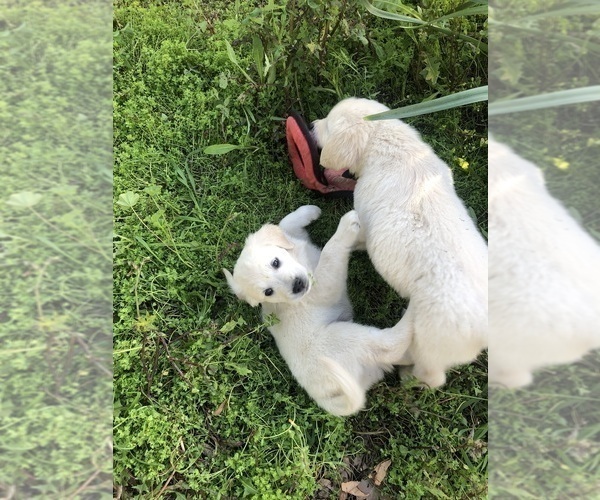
x: 405, y: 372
x: 431, y: 378
x: 308, y: 213
x: 349, y: 228
x: 350, y: 223
x: 409, y: 380
x: 510, y: 380
x: 352, y: 220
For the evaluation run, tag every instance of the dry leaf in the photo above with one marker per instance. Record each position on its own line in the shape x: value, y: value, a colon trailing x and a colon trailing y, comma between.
x: 326, y: 487
x: 352, y: 487
x: 220, y: 409
x: 381, y: 471
x: 326, y: 483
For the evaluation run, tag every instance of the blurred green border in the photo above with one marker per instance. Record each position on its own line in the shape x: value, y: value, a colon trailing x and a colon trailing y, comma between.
x: 55, y: 242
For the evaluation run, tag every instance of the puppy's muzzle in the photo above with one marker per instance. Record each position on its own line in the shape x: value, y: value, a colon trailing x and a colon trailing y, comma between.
x: 298, y: 286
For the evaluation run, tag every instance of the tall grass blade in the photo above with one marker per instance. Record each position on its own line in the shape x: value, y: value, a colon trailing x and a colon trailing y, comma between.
x: 583, y: 9
x: 549, y: 100
x: 391, y: 15
x: 466, y: 9
x: 417, y: 22
x: 399, y: 7
x: 473, y: 41
x: 580, y: 42
x: 448, y: 102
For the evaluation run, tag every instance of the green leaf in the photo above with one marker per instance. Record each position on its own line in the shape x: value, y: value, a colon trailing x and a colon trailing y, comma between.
x: 575, y: 214
x: 543, y: 101
x: 472, y: 214
x: 258, y: 53
x: 271, y: 72
x: 242, y: 370
x: 231, y: 53
x: 157, y: 219
x: 232, y: 325
x: 233, y: 59
x: 448, y: 102
x: 220, y: 149
x: 390, y: 15
x: 432, y: 69
x: 228, y: 327
x: 24, y: 199
x: 153, y: 189
x: 128, y: 199
x: 249, y: 488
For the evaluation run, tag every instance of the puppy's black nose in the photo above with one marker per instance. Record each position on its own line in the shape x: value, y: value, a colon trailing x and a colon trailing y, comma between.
x: 298, y: 286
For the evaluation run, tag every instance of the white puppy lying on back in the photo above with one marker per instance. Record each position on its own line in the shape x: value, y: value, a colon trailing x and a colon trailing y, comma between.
x: 544, y: 275
x: 335, y: 360
x: 418, y: 233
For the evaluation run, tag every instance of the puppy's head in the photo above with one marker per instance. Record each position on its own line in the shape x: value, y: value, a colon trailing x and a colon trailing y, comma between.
x: 344, y: 133
x: 267, y: 271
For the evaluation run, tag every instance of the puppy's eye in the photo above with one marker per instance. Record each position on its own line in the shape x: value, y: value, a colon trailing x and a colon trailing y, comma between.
x: 269, y: 292
x: 276, y: 263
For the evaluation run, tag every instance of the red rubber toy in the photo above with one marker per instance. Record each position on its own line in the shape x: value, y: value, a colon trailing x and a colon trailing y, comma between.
x: 304, y: 155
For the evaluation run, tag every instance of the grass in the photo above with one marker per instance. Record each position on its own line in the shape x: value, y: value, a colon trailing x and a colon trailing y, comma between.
x: 545, y: 440
x: 204, y: 405
x: 55, y: 216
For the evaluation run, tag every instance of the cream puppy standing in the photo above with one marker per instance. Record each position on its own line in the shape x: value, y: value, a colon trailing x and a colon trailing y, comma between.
x: 418, y: 233
x: 544, y: 275
x: 334, y: 359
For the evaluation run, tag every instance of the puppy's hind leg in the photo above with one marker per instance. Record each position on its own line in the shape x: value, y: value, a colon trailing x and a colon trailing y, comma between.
x: 344, y: 396
x: 294, y: 224
x: 430, y: 376
x: 391, y: 345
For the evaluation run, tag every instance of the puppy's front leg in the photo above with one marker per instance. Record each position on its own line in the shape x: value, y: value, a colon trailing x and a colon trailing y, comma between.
x: 331, y: 273
x: 294, y: 223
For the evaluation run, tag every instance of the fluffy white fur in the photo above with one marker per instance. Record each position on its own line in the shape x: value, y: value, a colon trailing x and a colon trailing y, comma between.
x: 544, y: 275
x: 334, y: 359
x: 418, y: 233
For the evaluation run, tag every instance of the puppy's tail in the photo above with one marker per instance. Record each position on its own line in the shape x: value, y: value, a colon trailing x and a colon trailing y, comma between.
x: 348, y: 397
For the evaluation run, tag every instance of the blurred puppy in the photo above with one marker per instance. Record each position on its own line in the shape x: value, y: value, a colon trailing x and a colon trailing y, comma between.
x: 418, y: 233
x: 544, y: 275
x: 334, y: 359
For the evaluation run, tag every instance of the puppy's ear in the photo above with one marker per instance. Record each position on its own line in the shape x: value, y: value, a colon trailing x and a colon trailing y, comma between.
x: 345, y: 146
x: 235, y: 288
x: 233, y: 285
x: 273, y: 235
x: 230, y: 280
x: 252, y: 302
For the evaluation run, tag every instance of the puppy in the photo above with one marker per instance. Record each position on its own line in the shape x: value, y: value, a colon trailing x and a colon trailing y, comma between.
x: 544, y: 275
x: 335, y: 360
x: 418, y: 233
